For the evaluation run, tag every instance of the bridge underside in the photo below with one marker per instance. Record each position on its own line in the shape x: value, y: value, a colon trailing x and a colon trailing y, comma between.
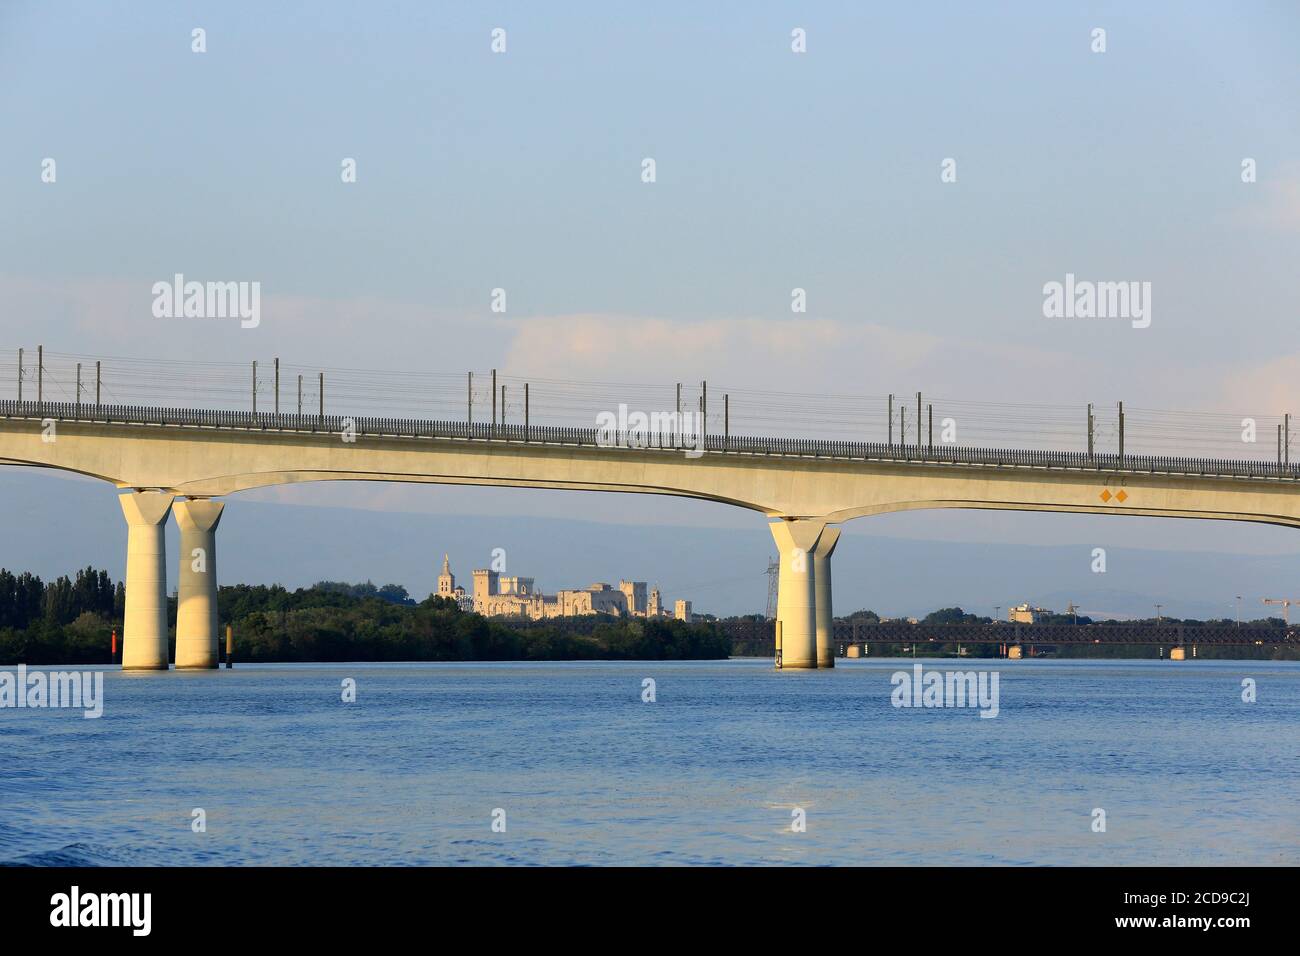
x: 809, y: 494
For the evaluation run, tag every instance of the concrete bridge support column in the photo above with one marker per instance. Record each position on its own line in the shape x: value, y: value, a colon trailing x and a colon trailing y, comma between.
x: 144, y: 630
x: 822, y: 588
x: 796, y: 596
x: 196, y: 604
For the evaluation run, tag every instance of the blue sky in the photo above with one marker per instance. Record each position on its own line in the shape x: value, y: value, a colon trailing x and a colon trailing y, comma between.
x: 774, y: 170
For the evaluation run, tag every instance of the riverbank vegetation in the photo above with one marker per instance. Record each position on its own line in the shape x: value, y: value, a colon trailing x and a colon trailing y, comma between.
x: 70, y: 621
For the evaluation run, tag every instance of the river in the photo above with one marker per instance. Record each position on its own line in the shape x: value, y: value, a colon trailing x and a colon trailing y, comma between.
x: 574, y: 767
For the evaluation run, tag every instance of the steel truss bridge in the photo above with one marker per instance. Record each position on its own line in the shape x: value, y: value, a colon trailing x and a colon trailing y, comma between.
x: 1172, y: 635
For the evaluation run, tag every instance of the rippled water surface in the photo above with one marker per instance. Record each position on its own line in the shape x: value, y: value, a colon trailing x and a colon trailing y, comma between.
x: 587, y: 773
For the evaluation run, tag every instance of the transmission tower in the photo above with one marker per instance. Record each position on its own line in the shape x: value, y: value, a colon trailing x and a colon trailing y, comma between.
x: 773, y: 572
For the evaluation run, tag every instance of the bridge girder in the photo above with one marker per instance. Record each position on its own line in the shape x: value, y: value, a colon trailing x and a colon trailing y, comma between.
x: 212, y: 462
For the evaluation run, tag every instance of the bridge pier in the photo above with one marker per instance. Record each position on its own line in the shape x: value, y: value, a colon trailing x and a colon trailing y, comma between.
x: 144, y: 627
x: 826, y: 543
x: 196, y: 602
x: 796, y: 596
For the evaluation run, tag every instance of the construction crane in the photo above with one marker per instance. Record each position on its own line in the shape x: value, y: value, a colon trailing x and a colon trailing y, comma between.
x: 1285, y: 605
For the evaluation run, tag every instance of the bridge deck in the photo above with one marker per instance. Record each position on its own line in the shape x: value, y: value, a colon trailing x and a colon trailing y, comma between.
x: 727, y: 444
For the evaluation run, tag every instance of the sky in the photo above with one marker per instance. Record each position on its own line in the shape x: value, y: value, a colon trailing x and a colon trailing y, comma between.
x: 774, y: 170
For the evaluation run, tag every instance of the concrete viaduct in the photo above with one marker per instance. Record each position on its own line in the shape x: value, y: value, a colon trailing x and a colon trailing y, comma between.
x: 186, y: 460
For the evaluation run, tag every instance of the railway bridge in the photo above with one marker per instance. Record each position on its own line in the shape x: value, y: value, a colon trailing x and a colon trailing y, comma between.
x: 188, y: 460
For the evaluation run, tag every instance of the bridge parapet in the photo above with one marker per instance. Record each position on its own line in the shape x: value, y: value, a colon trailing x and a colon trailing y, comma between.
x: 742, y: 445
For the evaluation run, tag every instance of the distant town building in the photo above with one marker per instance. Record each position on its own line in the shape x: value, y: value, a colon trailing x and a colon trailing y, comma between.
x: 1024, y: 614
x: 636, y: 597
x: 497, y: 596
x: 447, y: 587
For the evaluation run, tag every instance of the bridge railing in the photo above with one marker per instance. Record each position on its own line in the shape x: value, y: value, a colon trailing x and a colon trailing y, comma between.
x: 765, y: 446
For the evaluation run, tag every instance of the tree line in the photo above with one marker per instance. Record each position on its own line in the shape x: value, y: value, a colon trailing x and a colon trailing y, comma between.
x: 26, y: 599
x: 69, y: 621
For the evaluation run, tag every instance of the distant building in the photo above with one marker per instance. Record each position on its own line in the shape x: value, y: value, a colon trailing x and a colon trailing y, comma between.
x: 498, y: 596
x: 486, y: 584
x: 1024, y: 614
x: 636, y: 597
x: 447, y: 587
x: 495, y: 596
x: 595, y: 599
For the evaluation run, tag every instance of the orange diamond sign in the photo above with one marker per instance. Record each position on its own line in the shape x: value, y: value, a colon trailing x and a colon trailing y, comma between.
x: 1121, y: 495
x: 1105, y: 494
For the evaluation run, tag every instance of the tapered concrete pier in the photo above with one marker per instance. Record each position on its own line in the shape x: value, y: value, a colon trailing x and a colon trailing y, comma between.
x: 144, y: 629
x: 196, y: 605
x: 796, y: 596
x: 822, y: 589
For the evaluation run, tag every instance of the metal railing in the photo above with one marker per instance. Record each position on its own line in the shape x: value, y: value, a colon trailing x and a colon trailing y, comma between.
x: 728, y: 444
x: 913, y: 427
